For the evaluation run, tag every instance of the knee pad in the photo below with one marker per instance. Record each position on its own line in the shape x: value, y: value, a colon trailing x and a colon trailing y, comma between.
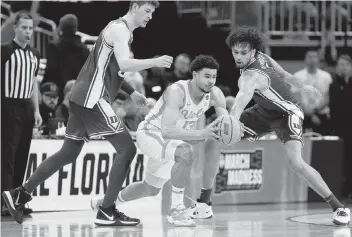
x: 154, y: 181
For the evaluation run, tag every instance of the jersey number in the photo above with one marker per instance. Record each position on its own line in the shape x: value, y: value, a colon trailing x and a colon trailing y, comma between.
x: 295, y: 124
x: 188, y: 125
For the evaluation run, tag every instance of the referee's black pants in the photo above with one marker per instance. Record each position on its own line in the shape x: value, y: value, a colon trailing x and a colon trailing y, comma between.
x: 17, y: 121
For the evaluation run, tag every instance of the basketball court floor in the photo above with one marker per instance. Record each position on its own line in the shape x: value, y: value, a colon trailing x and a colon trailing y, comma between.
x: 291, y: 220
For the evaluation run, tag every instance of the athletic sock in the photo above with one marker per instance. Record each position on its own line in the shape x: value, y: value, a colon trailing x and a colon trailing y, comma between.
x: 177, y: 196
x: 333, y: 202
x: 205, y: 195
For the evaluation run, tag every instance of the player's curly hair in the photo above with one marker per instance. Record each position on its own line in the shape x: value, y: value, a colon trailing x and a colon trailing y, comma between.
x: 204, y: 61
x: 140, y: 3
x: 245, y: 34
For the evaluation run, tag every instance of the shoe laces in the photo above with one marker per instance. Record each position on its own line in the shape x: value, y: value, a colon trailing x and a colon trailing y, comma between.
x: 194, y: 202
x: 342, y: 213
x: 120, y: 214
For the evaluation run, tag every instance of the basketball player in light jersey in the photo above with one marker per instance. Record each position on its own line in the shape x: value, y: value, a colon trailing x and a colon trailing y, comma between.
x: 167, y: 133
x: 91, y: 114
x: 276, y: 109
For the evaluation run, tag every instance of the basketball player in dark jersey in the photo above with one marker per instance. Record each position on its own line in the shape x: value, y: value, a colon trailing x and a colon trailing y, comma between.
x: 91, y: 113
x: 276, y: 109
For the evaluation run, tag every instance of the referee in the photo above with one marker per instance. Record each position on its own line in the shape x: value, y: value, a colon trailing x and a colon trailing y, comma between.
x: 19, y: 103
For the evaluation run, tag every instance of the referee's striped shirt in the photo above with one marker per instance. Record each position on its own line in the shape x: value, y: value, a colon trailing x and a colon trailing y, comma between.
x: 19, y: 66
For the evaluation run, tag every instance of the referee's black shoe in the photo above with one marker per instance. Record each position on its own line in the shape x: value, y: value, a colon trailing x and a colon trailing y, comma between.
x: 110, y: 216
x: 15, y: 200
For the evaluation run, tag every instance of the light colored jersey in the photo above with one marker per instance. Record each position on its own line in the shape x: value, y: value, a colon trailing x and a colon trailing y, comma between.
x: 189, y: 113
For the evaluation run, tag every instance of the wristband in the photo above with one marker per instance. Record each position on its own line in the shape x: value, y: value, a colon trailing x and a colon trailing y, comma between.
x: 127, y: 88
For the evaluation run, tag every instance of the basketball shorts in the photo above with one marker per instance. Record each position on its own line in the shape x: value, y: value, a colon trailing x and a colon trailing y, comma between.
x: 161, y: 153
x: 84, y: 123
x: 258, y: 122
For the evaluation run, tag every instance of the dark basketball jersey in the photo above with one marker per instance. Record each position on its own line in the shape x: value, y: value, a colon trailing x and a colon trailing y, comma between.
x: 278, y: 96
x: 100, y: 76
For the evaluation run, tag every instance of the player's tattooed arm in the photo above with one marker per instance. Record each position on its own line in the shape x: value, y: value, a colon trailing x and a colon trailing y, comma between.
x: 174, y: 99
x: 286, y: 76
x: 118, y: 36
x: 218, y: 101
x: 247, y: 84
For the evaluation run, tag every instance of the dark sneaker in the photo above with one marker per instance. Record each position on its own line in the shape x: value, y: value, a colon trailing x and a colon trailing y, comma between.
x: 112, y: 217
x: 27, y: 210
x: 15, y: 200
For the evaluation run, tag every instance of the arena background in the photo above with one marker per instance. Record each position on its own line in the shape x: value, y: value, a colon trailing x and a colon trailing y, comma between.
x: 193, y: 28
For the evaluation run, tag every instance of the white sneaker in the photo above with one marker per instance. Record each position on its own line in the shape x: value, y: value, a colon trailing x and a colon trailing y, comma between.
x: 180, y: 216
x: 202, y: 211
x: 95, y: 203
x: 342, y: 216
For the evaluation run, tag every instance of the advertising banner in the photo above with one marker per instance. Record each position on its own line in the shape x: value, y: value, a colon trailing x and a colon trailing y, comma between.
x: 72, y: 187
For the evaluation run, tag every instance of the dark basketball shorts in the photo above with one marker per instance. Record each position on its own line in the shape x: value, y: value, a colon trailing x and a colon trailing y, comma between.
x: 258, y: 122
x: 84, y: 123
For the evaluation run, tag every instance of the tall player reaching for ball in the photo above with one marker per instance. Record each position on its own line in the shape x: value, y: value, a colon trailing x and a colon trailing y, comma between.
x: 91, y: 114
x: 264, y: 80
x: 167, y: 132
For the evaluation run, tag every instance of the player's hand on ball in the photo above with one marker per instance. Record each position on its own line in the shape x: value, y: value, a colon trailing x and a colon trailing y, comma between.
x: 139, y: 99
x: 212, y: 130
x: 163, y: 61
x: 312, y: 91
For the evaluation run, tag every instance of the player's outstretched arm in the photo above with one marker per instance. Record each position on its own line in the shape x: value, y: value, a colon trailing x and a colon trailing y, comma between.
x: 247, y: 85
x: 219, y: 101
x: 119, y: 35
x: 293, y: 80
x: 174, y: 97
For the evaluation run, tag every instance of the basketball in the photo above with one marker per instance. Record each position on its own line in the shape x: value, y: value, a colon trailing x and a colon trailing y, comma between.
x: 230, y: 130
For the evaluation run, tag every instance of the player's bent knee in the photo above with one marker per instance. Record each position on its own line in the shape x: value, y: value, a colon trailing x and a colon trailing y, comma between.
x: 133, y: 150
x: 154, y: 181
x: 184, y: 153
x: 151, y: 190
x: 71, y: 149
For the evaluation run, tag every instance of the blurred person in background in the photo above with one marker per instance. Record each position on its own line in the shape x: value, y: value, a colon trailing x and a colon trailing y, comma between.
x: 341, y: 114
x: 154, y: 82
x: 49, y: 103
x: 316, y: 109
x: 117, y: 106
x: 135, y: 79
x: 181, y: 69
x: 19, y: 104
x: 132, y: 115
x: 62, y: 110
x: 150, y: 104
x: 66, y: 55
